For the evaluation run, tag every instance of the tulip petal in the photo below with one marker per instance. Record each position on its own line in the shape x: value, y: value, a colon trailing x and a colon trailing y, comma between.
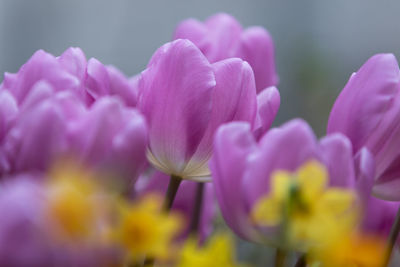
x: 195, y: 31
x: 22, y: 234
x: 111, y: 137
x: 268, y: 102
x: 43, y: 66
x: 232, y: 146
x: 8, y: 112
x: 121, y: 86
x: 129, y: 146
x: 361, y: 106
x: 365, y: 171
x: 336, y: 152
x: 38, y: 138
x: 8, y: 81
x: 379, y: 216
x: 94, y: 134
x: 384, y: 141
x: 74, y: 61
x: 388, y: 185
x: 97, y: 82
x: 224, y: 33
x: 175, y: 97
x: 257, y: 48
x: 284, y: 148
x: 234, y: 99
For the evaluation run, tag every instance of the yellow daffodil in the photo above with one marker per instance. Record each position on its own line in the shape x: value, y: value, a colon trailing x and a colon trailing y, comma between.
x: 71, y: 202
x: 349, y: 251
x: 308, y: 211
x: 145, y: 230
x: 218, y: 252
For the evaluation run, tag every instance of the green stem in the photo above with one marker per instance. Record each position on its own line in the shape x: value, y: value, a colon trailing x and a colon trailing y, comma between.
x: 173, y: 186
x: 394, y: 234
x: 280, y: 257
x: 198, y: 203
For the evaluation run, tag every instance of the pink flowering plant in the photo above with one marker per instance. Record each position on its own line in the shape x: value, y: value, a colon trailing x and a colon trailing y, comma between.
x: 101, y: 169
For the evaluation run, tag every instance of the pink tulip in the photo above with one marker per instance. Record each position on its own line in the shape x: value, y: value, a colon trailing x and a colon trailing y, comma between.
x: 185, y: 99
x: 367, y: 111
x: 242, y: 167
x: 221, y: 36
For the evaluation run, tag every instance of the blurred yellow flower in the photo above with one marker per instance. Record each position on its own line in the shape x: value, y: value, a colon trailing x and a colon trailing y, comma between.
x: 71, y: 202
x: 308, y: 211
x: 145, y: 230
x: 218, y: 252
x: 349, y: 251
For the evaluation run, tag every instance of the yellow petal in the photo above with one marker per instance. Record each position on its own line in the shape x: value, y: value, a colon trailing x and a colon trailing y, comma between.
x: 280, y: 184
x: 312, y: 178
x: 268, y: 211
x: 337, y: 201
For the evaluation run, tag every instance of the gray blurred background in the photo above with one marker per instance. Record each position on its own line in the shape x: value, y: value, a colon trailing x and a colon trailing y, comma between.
x: 318, y: 43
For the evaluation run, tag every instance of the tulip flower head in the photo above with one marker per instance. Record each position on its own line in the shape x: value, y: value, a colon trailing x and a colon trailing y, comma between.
x: 276, y: 175
x: 367, y: 111
x: 184, y: 99
x: 71, y: 72
x: 70, y: 107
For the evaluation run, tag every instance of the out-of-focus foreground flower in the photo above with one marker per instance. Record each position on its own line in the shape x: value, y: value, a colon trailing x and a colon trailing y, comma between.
x: 221, y: 36
x: 305, y: 207
x: 184, y: 203
x: 317, y: 220
x: 287, y: 190
x: 71, y: 218
x: 218, y: 252
x: 242, y: 168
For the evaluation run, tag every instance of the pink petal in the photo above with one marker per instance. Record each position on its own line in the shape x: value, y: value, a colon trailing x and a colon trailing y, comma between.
x: 336, y: 151
x: 256, y: 47
x: 176, y: 98
x: 233, y: 144
x: 234, y: 99
x: 268, y: 102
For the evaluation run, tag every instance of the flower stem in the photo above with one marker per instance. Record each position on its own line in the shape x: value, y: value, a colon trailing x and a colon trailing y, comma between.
x: 148, y: 262
x: 173, y: 186
x: 301, y: 262
x: 394, y: 233
x: 280, y: 257
x: 172, y: 189
x: 198, y: 203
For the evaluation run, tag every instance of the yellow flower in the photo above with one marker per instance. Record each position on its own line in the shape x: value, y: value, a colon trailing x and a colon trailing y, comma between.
x: 218, y: 252
x: 145, y: 230
x: 71, y: 202
x: 351, y: 250
x: 308, y: 211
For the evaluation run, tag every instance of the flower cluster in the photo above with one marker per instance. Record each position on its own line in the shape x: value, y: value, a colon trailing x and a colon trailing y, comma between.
x: 98, y: 169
